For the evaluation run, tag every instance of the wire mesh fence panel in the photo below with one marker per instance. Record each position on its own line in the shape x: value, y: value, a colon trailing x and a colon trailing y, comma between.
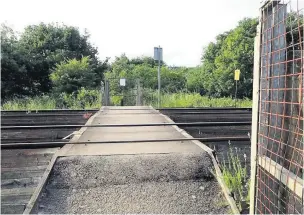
x: 279, y: 179
x: 123, y: 92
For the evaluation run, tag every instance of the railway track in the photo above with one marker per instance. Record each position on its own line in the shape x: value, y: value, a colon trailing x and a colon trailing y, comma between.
x: 22, y: 168
x: 180, y: 115
x: 221, y: 149
x: 40, y: 118
x: 21, y: 172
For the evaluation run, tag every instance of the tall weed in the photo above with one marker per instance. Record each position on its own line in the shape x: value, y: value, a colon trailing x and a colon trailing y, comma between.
x: 87, y: 99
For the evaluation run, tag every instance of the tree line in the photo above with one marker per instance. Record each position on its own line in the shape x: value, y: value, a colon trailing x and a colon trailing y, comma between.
x: 53, y: 58
x: 30, y: 61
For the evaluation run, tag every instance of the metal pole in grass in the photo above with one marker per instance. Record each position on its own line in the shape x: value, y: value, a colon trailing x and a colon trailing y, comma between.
x: 101, y: 93
x: 158, y: 55
x: 122, y: 83
x: 235, y: 99
x: 236, y: 78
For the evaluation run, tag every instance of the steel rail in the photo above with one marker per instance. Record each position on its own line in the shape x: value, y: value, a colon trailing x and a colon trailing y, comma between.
x: 61, y: 143
x: 172, y: 109
x: 45, y: 115
x: 80, y: 114
x: 207, y: 112
x: 48, y: 110
x: 181, y: 113
x: 109, y: 108
x: 206, y: 108
x: 188, y: 124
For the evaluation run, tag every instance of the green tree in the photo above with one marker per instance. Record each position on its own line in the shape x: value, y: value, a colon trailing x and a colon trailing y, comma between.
x: 120, y: 68
x: 172, y: 80
x: 14, y: 78
x: 49, y: 44
x: 149, y: 61
x: 196, y: 79
x: 72, y: 75
x: 146, y: 74
x: 144, y: 69
x: 38, y: 50
x: 232, y: 50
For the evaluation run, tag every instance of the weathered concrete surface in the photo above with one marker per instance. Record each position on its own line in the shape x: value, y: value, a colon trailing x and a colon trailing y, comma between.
x: 131, y: 116
x: 167, y: 177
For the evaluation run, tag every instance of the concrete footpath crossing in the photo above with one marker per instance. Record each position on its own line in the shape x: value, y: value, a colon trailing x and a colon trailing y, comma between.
x: 131, y: 115
x: 149, y: 177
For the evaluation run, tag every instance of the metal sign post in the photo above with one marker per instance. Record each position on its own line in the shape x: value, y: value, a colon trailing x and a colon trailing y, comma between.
x: 102, y: 97
x: 122, y: 83
x: 158, y: 55
x: 236, y: 78
x: 106, y: 93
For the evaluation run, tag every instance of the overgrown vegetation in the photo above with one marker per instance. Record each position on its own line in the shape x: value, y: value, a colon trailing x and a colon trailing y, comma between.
x: 236, y: 176
x: 55, y: 58
x: 92, y: 99
x: 144, y: 70
x: 55, y: 66
x: 82, y: 99
x: 193, y: 100
x: 28, y: 59
x: 48, y: 59
x: 232, y: 50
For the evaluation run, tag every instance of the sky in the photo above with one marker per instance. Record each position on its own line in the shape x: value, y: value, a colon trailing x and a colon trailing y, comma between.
x: 134, y: 27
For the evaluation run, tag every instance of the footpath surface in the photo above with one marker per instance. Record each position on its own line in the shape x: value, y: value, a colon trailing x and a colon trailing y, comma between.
x: 131, y: 115
x: 150, y: 177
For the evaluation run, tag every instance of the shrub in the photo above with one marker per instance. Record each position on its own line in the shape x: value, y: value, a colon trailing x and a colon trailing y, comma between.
x: 70, y: 76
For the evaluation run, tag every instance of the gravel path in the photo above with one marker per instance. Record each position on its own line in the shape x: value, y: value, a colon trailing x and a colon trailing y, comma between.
x: 143, y: 183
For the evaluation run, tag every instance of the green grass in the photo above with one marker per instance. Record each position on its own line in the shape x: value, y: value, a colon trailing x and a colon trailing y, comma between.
x: 116, y: 100
x: 235, y: 176
x: 83, y: 99
x: 193, y: 100
x: 35, y: 103
x: 87, y: 99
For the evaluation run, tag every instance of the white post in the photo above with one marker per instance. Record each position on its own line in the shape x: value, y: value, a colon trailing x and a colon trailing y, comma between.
x: 255, y: 118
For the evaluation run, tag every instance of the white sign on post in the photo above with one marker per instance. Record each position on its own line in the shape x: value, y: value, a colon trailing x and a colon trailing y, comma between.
x: 122, y: 82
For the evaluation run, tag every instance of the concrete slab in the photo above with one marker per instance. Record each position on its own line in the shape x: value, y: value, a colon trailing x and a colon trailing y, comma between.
x: 130, y: 115
x: 166, y: 177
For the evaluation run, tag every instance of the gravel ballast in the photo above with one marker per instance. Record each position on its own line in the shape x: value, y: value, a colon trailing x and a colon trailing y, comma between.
x: 144, y: 183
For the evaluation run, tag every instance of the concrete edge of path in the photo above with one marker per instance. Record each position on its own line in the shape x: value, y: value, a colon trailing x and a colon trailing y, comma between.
x: 218, y: 172
x: 61, y: 152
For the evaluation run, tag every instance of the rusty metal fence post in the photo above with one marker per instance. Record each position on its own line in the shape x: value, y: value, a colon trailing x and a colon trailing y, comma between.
x: 139, y: 101
x: 106, y: 98
x: 102, y: 93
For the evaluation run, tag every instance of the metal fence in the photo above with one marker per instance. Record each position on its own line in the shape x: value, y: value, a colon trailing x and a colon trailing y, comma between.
x: 278, y: 143
x: 128, y: 95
